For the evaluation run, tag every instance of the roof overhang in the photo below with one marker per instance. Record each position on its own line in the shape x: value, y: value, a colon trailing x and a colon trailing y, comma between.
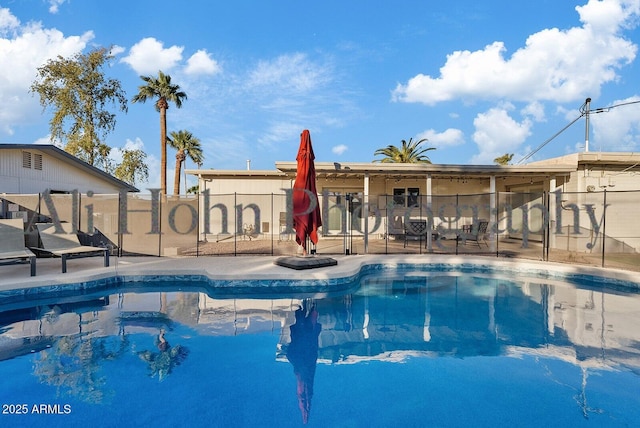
x: 408, y: 170
x: 560, y: 166
x: 624, y: 159
x: 60, y: 154
x: 242, y: 173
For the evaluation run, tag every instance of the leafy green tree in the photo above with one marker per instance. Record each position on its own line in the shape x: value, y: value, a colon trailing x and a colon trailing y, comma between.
x: 79, y: 94
x: 504, y: 159
x: 75, y: 365
x: 164, y: 92
x: 187, y: 146
x: 133, y: 167
x: 410, y: 152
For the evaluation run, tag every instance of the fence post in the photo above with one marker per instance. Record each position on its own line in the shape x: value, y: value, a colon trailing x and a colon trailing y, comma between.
x: 386, y: 224
x: 546, y: 235
x: 457, y: 219
x: 604, y: 223
x: 497, y: 224
x: 77, y: 212
x: 119, y: 231
x: 165, y: 199
x: 198, y: 225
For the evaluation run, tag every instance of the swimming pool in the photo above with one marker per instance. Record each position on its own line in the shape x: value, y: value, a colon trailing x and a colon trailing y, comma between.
x: 394, y: 347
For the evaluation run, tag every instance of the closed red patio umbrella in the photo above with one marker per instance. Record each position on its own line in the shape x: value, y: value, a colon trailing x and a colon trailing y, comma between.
x: 306, y: 209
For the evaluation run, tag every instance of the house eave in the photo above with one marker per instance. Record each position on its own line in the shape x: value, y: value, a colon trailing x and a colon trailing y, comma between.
x: 67, y: 157
x: 406, y: 170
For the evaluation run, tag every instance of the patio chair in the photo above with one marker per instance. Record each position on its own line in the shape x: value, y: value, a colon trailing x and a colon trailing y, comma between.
x: 66, y: 245
x: 12, y: 248
x: 395, y: 227
x: 415, y: 230
x: 283, y: 235
x: 475, y: 234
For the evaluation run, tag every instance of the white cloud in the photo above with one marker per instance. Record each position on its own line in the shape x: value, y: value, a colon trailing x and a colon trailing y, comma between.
x: 279, y: 96
x: 54, y: 5
x: 568, y: 114
x: 339, y: 149
x: 279, y: 132
x: 498, y: 133
x: 136, y: 144
x: 8, y: 22
x: 43, y: 140
x: 449, y: 138
x: 116, y: 152
x: 219, y: 156
x: 24, y: 48
x: 153, y: 165
x: 202, y: 63
x: 551, y: 65
x: 617, y: 129
x: 607, y: 15
x: 149, y: 56
x: 534, y: 110
x: 47, y: 140
x: 117, y: 50
x: 291, y: 73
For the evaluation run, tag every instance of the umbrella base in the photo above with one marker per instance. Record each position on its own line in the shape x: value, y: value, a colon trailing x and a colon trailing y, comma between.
x: 300, y: 263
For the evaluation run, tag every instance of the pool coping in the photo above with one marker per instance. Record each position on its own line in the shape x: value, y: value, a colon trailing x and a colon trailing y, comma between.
x: 259, y: 274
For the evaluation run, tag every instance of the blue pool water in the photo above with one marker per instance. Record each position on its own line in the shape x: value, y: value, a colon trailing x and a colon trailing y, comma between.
x: 398, y: 348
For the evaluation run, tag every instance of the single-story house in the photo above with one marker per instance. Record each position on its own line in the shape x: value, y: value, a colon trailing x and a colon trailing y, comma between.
x: 27, y: 171
x: 374, y: 200
x: 33, y: 168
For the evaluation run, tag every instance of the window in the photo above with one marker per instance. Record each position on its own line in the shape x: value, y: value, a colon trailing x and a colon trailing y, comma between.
x: 37, y: 161
x: 398, y: 197
x: 26, y: 160
x: 413, y: 200
x: 406, y: 197
x: 32, y: 160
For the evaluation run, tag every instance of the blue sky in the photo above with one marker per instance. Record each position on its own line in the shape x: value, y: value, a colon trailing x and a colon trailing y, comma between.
x: 478, y: 79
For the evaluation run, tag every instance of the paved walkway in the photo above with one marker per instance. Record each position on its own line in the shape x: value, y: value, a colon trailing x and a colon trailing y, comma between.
x: 260, y: 267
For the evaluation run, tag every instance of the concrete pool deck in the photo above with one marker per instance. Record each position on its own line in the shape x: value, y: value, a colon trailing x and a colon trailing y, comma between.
x: 16, y: 276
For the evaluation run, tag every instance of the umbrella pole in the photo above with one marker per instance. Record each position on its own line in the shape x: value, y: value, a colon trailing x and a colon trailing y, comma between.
x: 311, y: 246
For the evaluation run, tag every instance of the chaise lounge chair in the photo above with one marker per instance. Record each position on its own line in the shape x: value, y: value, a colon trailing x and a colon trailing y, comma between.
x: 66, y: 245
x: 12, y: 246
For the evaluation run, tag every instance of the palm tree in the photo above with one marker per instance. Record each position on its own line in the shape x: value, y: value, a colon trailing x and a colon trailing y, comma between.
x: 164, y: 92
x: 187, y: 146
x: 504, y: 159
x: 408, y: 153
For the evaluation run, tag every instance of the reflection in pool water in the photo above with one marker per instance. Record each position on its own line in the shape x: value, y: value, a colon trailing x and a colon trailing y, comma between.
x: 162, y: 361
x: 401, y: 349
x: 302, y: 352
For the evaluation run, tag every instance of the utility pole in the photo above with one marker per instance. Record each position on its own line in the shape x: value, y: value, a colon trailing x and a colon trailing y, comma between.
x: 587, y: 104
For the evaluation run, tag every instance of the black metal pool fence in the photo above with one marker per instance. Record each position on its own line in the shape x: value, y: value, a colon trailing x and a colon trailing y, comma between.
x: 597, y: 228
